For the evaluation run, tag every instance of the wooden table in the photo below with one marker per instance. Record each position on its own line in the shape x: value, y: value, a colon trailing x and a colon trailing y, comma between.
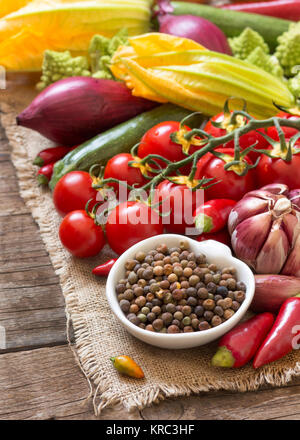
x: 39, y: 378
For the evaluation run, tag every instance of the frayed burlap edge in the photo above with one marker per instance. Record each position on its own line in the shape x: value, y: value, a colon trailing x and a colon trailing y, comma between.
x: 83, y: 352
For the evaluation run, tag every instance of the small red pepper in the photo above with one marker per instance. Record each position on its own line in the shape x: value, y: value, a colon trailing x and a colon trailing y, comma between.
x: 238, y: 346
x: 284, y: 333
x: 221, y: 236
x: 104, y: 269
x: 287, y: 9
x: 50, y: 155
x: 126, y: 365
x: 213, y: 215
x: 44, y: 174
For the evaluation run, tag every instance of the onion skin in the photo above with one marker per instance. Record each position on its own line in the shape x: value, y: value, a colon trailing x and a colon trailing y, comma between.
x: 74, y: 110
x: 265, y: 230
x: 272, y: 290
x: 197, y: 29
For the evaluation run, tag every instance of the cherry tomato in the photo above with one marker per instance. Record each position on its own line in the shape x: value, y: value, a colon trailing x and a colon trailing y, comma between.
x: 180, y: 202
x: 157, y: 141
x: 117, y: 167
x: 73, y: 191
x: 245, y: 141
x: 222, y: 236
x: 277, y: 170
x: 129, y: 223
x: 288, y: 131
x: 231, y: 185
x: 80, y: 235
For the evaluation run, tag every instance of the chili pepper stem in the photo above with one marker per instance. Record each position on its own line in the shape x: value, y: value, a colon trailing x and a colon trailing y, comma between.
x: 223, y: 358
x: 38, y: 161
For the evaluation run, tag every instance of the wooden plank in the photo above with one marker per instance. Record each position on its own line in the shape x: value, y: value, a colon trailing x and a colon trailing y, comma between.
x: 31, y: 301
x: 47, y: 384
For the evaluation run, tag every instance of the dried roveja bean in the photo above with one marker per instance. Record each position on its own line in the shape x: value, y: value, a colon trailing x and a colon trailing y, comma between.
x: 173, y: 290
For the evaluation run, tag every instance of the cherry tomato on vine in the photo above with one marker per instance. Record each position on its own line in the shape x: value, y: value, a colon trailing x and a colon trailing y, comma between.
x: 178, y: 203
x: 288, y: 131
x: 80, y: 235
x: 129, y: 223
x: 117, y: 167
x: 73, y: 191
x: 278, y: 170
x: 157, y: 141
x: 231, y: 185
x: 245, y: 141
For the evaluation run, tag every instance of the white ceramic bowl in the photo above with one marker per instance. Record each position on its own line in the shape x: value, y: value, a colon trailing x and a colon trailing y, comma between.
x: 215, y: 252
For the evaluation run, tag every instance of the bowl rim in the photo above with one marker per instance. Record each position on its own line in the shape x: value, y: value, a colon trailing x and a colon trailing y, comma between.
x: 116, y: 309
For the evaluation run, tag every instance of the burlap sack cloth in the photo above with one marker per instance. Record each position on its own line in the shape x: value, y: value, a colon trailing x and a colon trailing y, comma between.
x: 98, y: 335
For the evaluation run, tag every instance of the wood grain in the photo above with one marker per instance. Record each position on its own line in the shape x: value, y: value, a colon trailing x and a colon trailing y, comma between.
x: 39, y: 378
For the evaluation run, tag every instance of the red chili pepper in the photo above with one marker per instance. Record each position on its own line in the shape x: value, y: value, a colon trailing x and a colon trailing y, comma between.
x: 44, y: 174
x: 50, y: 155
x: 104, y: 269
x: 284, y: 333
x: 287, y: 9
x: 238, y: 346
x: 213, y: 215
x: 221, y: 236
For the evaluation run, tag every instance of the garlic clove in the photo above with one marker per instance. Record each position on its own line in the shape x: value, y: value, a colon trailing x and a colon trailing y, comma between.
x: 249, y: 207
x: 291, y: 226
x: 274, y: 251
x: 249, y: 237
x: 276, y: 188
x: 292, y: 266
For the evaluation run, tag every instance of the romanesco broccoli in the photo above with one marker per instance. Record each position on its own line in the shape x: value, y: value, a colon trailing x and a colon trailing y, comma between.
x: 294, y: 85
x: 102, y: 49
x: 269, y: 63
x: 59, y: 65
x: 288, y: 50
x: 246, y: 42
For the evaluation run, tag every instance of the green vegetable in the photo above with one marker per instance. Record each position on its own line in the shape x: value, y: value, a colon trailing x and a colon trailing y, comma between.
x: 288, y: 49
x: 233, y: 23
x: 59, y: 65
x: 269, y: 63
x: 117, y: 140
x: 294, y: 85
x: 243, y: 45
x: 102, y: 49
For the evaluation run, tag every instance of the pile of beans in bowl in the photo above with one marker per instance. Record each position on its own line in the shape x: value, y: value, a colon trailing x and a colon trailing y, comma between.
x: 173, y: 290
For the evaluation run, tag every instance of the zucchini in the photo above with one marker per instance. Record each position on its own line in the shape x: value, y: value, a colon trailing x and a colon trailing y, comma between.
x: 119, y: 139
x: 233, y: 23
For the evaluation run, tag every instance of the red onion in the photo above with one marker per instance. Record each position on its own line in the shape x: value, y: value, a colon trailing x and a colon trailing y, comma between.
x: 195, y: 28
x: 265, y: 230
x: 272, y: 290
x: 74, y: 110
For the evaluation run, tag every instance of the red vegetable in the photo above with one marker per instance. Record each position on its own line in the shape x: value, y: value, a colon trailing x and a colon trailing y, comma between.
x: 238, y: 346
x: 157, y: 140
x: 231, y: 185
x: 80, y: 235
x: 221, y: 236
x: 272, y: 290
x: 225, y: 126
x: 283, y: 336
x: 287, y: 9
x: 73, y: 191
x: 44, y: 174
x: 50, y: 155
x: 178, y: 203
x: 288, y: 131
x: 73, y: 110
x: 118, y: 168
x: 195, y: 28
x: 104, y: 269
x: 280, y: 165
x: 213, y: 215
x: 129, y: 223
